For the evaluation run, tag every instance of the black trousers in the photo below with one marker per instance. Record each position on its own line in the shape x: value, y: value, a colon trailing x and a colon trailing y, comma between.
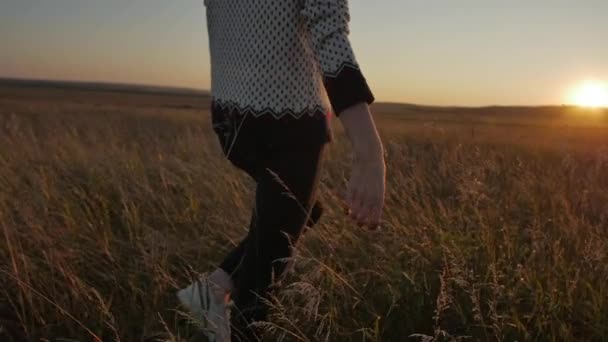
x: 284, y: 158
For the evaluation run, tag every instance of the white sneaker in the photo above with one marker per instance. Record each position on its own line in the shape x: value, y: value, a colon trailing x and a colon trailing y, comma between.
x: 206, y: 302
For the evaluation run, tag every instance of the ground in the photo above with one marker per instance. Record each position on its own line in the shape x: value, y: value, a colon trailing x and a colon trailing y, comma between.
x: 496, y: 226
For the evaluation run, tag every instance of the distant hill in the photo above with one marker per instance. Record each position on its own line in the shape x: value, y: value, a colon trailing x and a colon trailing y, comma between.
x: 101, y: 86
x: 390, y: 107
x: 400, y: 110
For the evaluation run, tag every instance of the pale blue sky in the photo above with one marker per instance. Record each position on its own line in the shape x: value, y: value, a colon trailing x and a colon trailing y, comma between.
x: 466, y: 52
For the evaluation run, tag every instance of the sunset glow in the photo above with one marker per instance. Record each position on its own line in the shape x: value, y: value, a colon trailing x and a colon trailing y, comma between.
x: 424, y: 52
x: 593, y: 94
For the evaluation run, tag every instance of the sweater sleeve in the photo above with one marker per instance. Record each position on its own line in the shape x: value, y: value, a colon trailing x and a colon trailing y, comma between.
x: 328, y: 25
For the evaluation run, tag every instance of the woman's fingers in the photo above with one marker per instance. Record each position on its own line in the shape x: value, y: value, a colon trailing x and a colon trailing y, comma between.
x: 365, y: 209
x: 364, y: 216
x: 364, y: 201
x: 356, y: 207
x: 354, y: 203
x: 372, y: 214
x: 349, y: 200
x: 375, y: 217
x: 345, y: 203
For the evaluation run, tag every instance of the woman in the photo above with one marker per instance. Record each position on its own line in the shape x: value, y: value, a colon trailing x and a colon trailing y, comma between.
x: 279, y: 68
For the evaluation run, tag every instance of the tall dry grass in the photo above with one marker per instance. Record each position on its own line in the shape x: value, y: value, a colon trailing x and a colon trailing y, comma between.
x: 106, y: 210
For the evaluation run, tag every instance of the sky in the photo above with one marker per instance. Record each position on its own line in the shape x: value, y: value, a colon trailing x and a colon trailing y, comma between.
x: 436, y: 52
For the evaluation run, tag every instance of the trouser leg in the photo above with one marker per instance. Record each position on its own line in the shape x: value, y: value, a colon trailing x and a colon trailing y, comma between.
x: 284, y: 196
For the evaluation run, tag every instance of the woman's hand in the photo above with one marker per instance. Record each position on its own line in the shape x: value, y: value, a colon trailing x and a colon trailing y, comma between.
x: 366, y: 188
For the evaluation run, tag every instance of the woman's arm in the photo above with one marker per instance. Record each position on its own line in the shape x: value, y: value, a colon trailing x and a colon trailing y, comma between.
x: 349, y: 94
x: 328, y: 25
x: 366, y: 188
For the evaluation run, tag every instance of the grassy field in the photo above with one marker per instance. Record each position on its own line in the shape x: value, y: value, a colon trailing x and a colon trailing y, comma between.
x: 496, y: 225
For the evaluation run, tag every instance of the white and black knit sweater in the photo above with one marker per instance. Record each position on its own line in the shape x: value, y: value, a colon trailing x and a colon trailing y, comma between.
x: 283, y: 57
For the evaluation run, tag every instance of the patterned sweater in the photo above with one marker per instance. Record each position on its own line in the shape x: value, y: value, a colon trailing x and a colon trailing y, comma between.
x: 283, y: 57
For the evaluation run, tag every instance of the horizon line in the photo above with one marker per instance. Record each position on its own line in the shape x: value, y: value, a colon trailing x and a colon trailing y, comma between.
x: 190, y: 90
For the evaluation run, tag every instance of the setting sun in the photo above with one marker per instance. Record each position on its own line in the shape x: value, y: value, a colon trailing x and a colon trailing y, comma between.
x: 591, y: 94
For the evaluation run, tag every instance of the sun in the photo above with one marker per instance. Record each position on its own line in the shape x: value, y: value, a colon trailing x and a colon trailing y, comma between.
x: 593, y: 94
